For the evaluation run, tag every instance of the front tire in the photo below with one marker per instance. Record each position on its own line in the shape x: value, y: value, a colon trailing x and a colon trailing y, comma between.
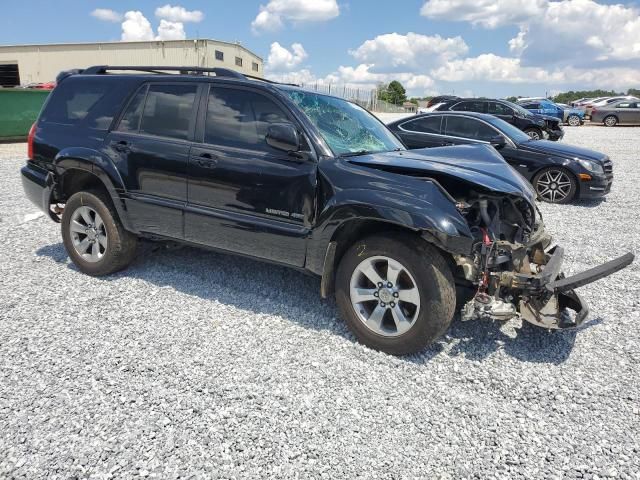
x: 93, y: 235
x: 534, y: 133
x: 395, y: 292
x: 573, y: 120
x: 555, y: 185
x: 610, y: 121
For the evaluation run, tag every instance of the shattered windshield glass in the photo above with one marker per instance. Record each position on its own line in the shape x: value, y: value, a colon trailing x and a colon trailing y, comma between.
x: 346, y: 127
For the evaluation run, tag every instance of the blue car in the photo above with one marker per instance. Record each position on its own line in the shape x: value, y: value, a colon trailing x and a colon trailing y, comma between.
x: 569, y: 115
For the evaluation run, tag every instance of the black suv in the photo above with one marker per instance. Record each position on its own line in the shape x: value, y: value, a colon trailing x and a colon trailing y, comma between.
x: 534, y: 125
x: 301, y: 179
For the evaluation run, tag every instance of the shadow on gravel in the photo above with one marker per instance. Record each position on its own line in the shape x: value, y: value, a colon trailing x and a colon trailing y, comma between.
x: 237, y: 281
x: 590, y: 203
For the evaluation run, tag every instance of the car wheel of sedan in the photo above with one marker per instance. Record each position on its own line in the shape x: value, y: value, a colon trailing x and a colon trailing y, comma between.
x: 610, y: 121
x: 555, y: 185
x: 93, y: 236
x: 534, y: 133
x: 396, y: 293
x: 573, y: 120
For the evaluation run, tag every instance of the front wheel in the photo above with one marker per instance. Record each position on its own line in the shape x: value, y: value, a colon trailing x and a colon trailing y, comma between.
x: 610, y: 121
x: 534, y: 133
x: 93, y: 235
x: 395, y: 292
x: 555, y: 185
x: 573, y: 120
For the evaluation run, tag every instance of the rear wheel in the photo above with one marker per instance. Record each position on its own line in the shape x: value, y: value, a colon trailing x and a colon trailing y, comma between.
x: 555, y: 185
x: 610, y: 121
x: 534, y: 133
x: 573, y: 120
x: 94, y: 238
x: 395, y: 292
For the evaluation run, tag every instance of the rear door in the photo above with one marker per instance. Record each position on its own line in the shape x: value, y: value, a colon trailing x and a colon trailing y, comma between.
x: 244, y: 195
x: 151, y: 147
x: 422, y: 132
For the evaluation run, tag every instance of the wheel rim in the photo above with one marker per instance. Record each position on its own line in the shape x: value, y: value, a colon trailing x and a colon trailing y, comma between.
x: 384, y: 296
x: 574, y: 120
x: 533, y: 134
x: 554, y: 185
x: 88, y: 234
x: 610, y: 121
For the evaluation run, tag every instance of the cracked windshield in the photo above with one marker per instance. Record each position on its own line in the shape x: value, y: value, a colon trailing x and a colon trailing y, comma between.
x: 346, y: 127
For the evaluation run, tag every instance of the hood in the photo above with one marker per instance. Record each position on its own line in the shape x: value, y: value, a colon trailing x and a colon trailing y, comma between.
x: 549, y: 118
x: 481, y: 165
x: 562, y: 150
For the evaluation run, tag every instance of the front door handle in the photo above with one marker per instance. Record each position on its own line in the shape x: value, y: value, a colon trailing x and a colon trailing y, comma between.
x: 206, y: 160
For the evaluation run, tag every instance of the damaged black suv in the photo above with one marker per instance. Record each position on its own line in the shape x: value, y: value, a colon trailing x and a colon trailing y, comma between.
x: 217, y: 159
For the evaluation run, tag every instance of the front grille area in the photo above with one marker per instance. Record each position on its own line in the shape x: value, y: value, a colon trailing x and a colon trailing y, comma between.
x: 608, y: 168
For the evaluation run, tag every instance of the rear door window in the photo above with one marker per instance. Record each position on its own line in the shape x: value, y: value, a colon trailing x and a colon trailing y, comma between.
x: 130, y: 121
x: 469, y: 106
x: 169, y: 111
x: 469, y: 128
x: 430, y: 124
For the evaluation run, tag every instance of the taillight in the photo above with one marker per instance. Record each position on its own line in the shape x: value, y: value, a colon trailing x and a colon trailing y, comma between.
x: 32, y: 134
x: 593, y: 110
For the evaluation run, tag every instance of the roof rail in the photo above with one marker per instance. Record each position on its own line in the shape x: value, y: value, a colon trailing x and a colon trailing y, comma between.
x: 220, y: 72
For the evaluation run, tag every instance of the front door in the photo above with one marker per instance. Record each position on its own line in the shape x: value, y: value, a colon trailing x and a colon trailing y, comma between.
x: 150, y: 148
x: 422, y: 132
x: 244, y: 195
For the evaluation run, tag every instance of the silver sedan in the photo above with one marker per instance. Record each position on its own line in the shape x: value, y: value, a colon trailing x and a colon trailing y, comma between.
x: 624, y: 112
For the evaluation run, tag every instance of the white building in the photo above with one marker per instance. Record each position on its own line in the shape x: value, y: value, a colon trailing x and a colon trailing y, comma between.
x: 23, y: 64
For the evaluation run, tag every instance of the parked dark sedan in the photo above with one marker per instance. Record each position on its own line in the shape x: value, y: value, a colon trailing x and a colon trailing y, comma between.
x: 558, y: 172
x: 535, y: 125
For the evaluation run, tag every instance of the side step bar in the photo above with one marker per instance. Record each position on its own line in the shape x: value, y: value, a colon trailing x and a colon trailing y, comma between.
x: 591, y: 275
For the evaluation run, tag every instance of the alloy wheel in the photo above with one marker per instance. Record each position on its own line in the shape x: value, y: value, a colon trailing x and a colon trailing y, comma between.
x: 534, y: 134
x: 88, y: 234
x: 384, y: 296
x: 554, y: 185
x: 610, y: 121
x: 573, y: 120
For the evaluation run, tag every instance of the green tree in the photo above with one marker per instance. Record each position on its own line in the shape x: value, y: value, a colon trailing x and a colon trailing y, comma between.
x: 570, y: 96
x: 634, y: 91
x: 397, y: 93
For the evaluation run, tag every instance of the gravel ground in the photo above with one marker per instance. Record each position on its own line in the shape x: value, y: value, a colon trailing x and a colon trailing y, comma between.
x: 194, y: 364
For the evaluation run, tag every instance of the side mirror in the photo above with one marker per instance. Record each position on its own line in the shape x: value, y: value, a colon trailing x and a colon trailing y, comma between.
x: 283, y: 136
x: 498, y: 142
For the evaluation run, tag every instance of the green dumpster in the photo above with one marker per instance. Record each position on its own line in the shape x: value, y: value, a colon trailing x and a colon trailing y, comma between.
x: 19, y: 108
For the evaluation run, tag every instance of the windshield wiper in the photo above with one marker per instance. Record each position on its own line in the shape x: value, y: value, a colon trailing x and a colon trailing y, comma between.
x: 355, y: 154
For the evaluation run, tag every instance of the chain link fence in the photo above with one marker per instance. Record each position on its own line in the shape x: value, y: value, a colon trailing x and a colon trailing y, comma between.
x: 367, y: 98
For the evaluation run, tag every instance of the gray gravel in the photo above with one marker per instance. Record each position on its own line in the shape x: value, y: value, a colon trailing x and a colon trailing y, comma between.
x: 194, y: 364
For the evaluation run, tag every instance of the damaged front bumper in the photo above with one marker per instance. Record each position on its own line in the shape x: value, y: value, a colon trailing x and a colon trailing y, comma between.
x: 546, y: 298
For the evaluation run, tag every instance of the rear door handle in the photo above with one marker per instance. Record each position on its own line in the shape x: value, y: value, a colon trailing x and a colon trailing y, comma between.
x: 121, y: 146
x: 206, y: 160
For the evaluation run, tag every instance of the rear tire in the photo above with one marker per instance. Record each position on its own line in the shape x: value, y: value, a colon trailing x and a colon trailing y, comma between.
x: 573, y: 120
x: 93, y: 235
x: 534, y: 133
x: 417, y: 286
x: 610, y: 121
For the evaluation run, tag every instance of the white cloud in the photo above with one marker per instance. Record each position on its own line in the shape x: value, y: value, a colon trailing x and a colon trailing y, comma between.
x: 487, y: 13
x: 412, y: 52
x: 107, y: 15
x: 171, y: 31
x: 281, y: 59
x: 273, y: 15
x: 518, y: 43
x: 136, y: 27
x: 179, y: 14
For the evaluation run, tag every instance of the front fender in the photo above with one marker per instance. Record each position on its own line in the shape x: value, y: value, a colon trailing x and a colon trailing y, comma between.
x: 430, y: 212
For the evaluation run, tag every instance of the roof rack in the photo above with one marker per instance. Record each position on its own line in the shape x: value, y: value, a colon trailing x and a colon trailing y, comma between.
x: 220, y: 72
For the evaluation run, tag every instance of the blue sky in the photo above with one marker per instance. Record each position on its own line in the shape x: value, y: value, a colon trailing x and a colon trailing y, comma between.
x: 470, y: 47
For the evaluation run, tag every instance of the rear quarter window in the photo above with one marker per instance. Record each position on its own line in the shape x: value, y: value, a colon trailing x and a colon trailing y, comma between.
x: 84, y: 101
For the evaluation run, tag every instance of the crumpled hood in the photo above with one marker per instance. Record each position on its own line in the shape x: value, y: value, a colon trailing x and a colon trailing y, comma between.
x: 476, y: 164
x: 562, y: 150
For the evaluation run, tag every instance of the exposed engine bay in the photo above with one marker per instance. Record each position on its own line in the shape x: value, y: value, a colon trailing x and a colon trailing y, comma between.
x: 516, y: 270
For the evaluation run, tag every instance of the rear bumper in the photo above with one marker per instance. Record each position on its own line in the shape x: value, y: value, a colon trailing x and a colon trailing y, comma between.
x: 38, y: 184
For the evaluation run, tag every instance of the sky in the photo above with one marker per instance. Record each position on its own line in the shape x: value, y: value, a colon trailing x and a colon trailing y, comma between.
x: 492, y: 48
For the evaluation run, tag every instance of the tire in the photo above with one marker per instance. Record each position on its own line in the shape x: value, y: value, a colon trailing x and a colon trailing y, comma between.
x: 610, y: 121
x: 426, y: 279
x: 573, y: 120
x: 534, y: 133
x: 107, y: 247
x: 555, y: 185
